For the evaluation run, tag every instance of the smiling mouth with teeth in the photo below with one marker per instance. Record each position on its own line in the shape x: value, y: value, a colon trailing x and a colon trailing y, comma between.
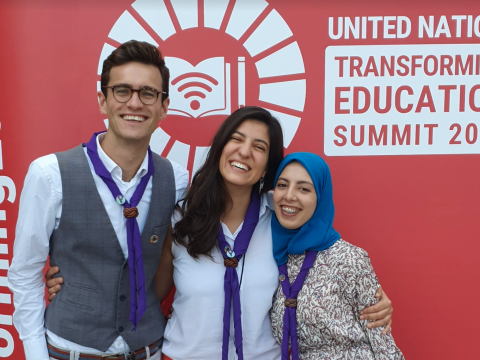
x: 133, y: 117
x: 289, y: 210
x: 239, y: 165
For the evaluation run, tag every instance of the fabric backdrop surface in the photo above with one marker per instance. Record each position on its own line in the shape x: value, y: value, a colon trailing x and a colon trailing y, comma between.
x: 388, y: 93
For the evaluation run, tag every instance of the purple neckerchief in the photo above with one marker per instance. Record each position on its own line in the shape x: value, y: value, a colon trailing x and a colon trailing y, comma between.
x: 135, y: 258
x: 231, y: 286
x: 291, y: 292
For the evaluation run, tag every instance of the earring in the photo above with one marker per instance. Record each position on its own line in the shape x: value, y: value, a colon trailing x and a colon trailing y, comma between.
x: 262, y: 181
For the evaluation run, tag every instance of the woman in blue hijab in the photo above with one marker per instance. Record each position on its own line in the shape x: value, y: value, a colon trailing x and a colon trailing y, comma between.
x: 324, y: 280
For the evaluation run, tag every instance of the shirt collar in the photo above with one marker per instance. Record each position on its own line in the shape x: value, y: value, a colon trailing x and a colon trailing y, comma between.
x: 266, y: 201
x: 112, y: 167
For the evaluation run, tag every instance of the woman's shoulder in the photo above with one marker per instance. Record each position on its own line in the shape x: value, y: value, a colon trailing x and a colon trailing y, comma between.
x: 344, y: 252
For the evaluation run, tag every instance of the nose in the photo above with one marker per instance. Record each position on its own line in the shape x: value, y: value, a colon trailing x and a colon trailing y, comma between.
x: 290, y: 194
x: 245, y: 149
x: 134, y: 101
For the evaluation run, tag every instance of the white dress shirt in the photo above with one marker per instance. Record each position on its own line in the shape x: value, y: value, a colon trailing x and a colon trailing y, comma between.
x: 195, y: 331
x: 40, y: 213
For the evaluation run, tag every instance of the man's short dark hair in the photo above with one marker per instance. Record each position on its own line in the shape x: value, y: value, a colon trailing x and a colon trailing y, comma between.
x: 135, y: 51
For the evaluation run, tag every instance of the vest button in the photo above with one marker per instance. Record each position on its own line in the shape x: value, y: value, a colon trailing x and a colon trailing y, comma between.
x: 122, y: 297
x: 120, y: 329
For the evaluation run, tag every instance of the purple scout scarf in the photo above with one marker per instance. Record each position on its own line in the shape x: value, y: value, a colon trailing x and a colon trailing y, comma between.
x: 291, y: 293
x: 135, y: 259
x: 231, y: 258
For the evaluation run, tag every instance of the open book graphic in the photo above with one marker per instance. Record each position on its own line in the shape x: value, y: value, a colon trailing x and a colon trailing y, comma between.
x: 200, y: 90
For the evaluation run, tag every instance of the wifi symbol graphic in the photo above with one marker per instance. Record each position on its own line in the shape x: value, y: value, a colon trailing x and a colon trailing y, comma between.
x: 194, y: 88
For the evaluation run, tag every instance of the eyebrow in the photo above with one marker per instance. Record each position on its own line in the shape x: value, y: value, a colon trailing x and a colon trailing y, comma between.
x: 258, y: 140
x: 131, y: 87
x: 298, y: 182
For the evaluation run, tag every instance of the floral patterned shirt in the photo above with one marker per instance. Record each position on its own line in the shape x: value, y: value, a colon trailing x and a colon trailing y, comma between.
x: 340, y: 283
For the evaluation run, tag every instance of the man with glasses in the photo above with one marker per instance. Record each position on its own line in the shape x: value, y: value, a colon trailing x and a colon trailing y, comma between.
x: 101, y: 211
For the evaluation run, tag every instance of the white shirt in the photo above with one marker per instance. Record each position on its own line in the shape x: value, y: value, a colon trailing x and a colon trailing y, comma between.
x: 195, y: 331
x: 39, y: 214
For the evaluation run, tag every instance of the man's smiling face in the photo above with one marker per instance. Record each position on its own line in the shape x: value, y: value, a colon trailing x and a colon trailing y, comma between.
x: 133, y: 120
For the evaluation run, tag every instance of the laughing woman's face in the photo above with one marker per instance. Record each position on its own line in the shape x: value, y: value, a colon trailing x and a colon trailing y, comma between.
x: 245, y: 156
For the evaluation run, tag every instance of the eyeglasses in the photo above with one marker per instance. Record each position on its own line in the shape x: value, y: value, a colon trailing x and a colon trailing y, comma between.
x: 147, y: 96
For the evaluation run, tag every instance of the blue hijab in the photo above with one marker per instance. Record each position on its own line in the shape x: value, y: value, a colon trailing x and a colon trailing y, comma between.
x: 317, y: 233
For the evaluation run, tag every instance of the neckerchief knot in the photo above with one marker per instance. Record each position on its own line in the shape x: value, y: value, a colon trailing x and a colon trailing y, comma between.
x: 230, y: 262
x: 130, y: 212
x: 291, y: 303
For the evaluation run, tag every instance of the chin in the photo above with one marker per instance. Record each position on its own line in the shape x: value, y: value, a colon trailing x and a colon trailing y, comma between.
x: 290, y: 227
x: 237, y: 181
x: 286, y: 225
x: 135, y: 136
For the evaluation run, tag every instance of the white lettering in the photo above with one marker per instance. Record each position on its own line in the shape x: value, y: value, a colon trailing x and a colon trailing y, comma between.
x: 339, y: 33
x: 422, y: 26
x: 364, y: 27
x: 459, y: 19
x: 6, y: 320
x: 355, y: 29
x: 387, y: 27
x: 5, y: 299
x: 3, y: 231
x: 7, y: 350
x: 5, y: 181
x: 374, y: 20
x: 3, y: 264
x: 475, y: 26
x: 442, y: 27
x: 408, y: 27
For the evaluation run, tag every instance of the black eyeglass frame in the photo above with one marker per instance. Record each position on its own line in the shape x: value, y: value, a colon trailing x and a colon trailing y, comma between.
x: 137, y: 90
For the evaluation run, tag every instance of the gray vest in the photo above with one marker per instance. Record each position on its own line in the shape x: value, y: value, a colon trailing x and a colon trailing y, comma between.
x: 92, y: 309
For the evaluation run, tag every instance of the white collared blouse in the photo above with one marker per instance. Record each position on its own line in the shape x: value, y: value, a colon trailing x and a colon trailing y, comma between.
x: 195, y: 331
